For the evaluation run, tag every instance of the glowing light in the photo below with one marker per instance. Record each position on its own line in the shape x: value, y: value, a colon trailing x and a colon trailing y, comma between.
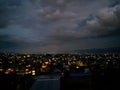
x: 26, y: 69
x: 43, y: 66
x: 28, y: 55
x: 46, y: 62
x: 77, y: 67
x: 1, y: 69
x: 9, y: 70
x: 33, y: 72
x: 28, y: 65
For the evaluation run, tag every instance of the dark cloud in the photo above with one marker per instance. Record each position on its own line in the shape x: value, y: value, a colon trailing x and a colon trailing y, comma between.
x: 99, y: 30
x: 58, y: 25
x: 3, y: 19
x: 7, y: 10
x: 114, y: 3
x: 106, y: 22
x: 6, y: 42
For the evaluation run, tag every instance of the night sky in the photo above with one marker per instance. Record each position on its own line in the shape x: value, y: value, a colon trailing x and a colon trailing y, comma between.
x: 57, y: 26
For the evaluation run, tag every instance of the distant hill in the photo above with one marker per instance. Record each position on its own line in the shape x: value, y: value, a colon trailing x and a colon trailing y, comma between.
x: 99, y: 50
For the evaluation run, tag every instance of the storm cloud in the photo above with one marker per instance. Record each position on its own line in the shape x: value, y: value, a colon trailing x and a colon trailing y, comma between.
x: 58, y: 25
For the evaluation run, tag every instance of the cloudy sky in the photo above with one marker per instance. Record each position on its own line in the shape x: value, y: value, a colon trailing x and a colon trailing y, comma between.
x: 55, y: 26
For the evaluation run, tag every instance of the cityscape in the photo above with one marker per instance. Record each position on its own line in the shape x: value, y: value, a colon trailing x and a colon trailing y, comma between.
x: 36, y: 64
x: 16, y: 66
x: 59, y: 44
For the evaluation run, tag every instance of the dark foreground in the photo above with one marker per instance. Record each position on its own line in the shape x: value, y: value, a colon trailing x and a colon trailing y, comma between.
x: 15, y: 82
x: 108, y: 81
x: 90, y: 83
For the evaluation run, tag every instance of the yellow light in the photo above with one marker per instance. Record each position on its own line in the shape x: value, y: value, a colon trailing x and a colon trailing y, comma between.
x: 9, y: 69
x: 26, y: 69
x: 12, y: 70
x: 34, y: 61
x: 26, y: 72
x: 46, y: 62
x: 43, y: 66
x: 7, y: 72
x: 28, y: 65
x: 29, y: 72
x: 69, y: 63
x: 1, y: 69
x: 28, y: 55
x: 33, y: 72
x: 77, y: 67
